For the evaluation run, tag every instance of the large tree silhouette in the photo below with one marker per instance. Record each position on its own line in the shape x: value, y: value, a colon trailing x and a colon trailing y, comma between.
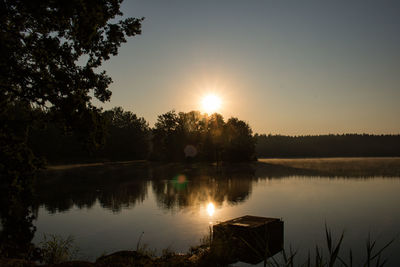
x: 50, y: 52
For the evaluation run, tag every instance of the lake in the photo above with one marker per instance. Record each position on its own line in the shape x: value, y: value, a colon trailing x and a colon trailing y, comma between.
x: 109, y: 207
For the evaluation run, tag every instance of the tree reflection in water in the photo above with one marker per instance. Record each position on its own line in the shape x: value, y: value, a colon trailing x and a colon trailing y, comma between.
x: 114, y: 186
x: 117, y: 186
x: 175, y: 185
x: 204, y: 183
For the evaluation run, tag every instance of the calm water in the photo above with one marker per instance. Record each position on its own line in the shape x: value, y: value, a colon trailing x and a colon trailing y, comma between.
x: 107, y: 208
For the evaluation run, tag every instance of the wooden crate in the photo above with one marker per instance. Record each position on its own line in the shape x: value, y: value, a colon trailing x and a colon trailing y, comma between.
x: 249, y: 239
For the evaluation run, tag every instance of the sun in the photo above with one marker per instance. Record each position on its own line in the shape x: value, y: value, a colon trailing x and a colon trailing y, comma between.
x: 211, y: 103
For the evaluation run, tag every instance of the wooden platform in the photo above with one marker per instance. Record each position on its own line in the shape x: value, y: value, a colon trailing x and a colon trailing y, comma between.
x: 249, y: 239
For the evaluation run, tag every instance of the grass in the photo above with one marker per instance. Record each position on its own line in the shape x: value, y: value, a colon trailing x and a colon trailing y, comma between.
x: 56, y: 249
x: 374, y: 255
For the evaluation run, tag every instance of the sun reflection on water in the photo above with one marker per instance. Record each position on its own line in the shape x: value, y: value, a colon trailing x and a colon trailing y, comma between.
x: 210, y: 209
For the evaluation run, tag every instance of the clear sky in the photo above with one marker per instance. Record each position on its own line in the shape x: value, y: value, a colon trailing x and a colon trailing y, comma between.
x: 285, y: 67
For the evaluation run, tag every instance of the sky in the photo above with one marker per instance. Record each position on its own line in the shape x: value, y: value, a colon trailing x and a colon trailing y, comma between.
x: 285, y: 67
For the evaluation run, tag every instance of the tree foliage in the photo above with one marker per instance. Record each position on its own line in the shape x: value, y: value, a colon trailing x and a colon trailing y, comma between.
x: 50, y: 54
x: 175, y: 137
x: 51, y: 49
x: 240, y: 144
x: 194, y: 135
x: 126, y: 137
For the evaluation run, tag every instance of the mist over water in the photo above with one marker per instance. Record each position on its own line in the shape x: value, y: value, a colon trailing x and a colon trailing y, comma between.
x: 107, y: 207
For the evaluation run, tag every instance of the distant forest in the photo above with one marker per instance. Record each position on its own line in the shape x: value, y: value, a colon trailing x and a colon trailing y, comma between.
x: 345, y: 145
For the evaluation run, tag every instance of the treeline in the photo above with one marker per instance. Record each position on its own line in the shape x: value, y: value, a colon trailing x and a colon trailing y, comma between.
x: 345, y: 145
x: 179, y: 136
x: 190, y: 136
x: 123, y: 136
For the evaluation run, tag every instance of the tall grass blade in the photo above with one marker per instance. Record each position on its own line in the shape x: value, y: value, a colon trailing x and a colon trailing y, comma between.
x: 382, y: 249
x: 335, y: 253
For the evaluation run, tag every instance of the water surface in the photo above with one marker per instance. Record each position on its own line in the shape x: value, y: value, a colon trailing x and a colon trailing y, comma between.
x: 108, y: 207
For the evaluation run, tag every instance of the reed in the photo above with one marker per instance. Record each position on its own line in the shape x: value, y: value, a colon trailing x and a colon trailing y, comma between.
x: 374, y: 255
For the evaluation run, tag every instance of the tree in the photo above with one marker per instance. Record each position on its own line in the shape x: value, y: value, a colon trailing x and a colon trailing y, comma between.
x: 165, y: 140
x: 214, y: 139
x: 209, y: 136
x: 127, y: 135
x: 239, y: 142
x: 173, y: 133
x: 50, y: 52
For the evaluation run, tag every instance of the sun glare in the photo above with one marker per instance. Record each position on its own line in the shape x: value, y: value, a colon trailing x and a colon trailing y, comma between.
x: 210, y: 209
x: 211, y: 103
